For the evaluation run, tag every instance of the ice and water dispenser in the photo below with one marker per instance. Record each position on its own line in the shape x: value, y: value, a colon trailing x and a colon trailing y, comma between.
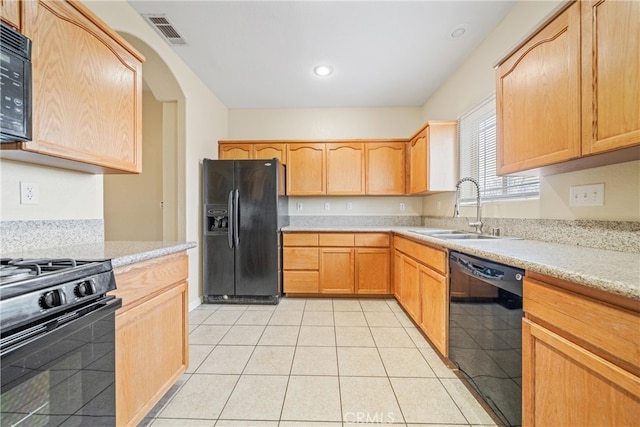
x: 217, y: 219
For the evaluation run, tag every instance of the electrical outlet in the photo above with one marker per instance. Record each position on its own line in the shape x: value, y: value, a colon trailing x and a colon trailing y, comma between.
x: 327, y: 206
x: 586, y: 195
x: 349, y: 206
x: 29, y: 194
x: 402, y: 206
x: 438, y: 205
x: 298, y: 206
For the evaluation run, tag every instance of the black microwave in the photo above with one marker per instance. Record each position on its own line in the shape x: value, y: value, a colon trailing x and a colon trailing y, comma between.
x: 15, y: 81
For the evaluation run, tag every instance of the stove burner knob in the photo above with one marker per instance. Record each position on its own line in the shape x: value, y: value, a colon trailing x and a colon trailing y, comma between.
x: 85, y: 288
x: 53, y: 299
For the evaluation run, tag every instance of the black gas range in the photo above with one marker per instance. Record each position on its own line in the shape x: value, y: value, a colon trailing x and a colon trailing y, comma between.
x: 57, y: 342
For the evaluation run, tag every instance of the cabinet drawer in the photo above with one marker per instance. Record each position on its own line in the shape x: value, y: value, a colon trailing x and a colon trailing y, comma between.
x: 300, y: 258
x: 300, y: 239
x: 372, y: 240
x: 304, y: 282
x: 434, y: 258
x: 609, y: 331
x: 336, y: 239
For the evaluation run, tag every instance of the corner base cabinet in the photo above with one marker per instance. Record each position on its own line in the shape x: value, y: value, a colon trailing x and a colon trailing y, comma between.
x: 337, y: 263
x: 581, y: 356
x: 151, y: 333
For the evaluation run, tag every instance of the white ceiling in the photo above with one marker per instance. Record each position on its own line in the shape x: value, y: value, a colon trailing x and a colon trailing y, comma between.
x: 261, y: 54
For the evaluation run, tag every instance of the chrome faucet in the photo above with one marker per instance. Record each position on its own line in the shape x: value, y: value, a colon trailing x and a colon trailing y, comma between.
x: 478, y: 222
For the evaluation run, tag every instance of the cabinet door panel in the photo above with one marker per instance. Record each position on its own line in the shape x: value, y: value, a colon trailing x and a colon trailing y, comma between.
x: 337, y: 271
x: 397, y: 275
x: 302, y: 282
x: 538, y: 98
x: 372, y: 239
x: 372, y: 271
x: 345, y: 168
x: 305, y: 169
x: 300, y: 239
x: 411, y: 288
x: 143, y: 376
x: 418, y: 164
x: 566, y: 385
x: 234, y: 151
x: 270, y: 151
x: 87, y: 106
x: 610, y: 75
x: 300, y: 258
x: 435, y: 305
x: 10, y: 13
x: 385, y: 168
x: 336, y: 239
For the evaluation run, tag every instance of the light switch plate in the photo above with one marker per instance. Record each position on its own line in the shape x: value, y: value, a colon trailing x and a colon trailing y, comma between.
x: 586, y: 195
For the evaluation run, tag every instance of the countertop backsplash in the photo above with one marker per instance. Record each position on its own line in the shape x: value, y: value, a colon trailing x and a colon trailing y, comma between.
x: 26, y: 235
x: 355, y: 220
x: 621, y: 236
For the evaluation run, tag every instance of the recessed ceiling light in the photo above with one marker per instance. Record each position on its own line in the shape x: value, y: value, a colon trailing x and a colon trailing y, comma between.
x: 457, y: 32
x: 323, y: 70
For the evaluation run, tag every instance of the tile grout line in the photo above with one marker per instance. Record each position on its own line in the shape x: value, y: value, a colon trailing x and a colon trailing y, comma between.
x: 286, y: 389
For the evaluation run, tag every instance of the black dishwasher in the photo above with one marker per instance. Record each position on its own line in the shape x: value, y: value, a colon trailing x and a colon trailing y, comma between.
x: 485, y: 331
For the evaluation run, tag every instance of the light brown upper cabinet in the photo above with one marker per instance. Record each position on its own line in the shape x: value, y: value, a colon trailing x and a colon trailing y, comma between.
x: 247, y: 150
x: 571, y: 90
x: 87, y: 92
x: 345, y: 168
x: 235, y: 151
x: 355, y: 167
x: 610, y: 75
x: 306, y: 169
x: 385, y: 171
x: 270, y: 151
x: 10, y: 12
x: 433, y: 161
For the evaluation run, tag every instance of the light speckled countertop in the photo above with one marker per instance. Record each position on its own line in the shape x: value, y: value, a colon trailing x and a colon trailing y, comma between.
x: 611, y: 271
x: 120, y: 253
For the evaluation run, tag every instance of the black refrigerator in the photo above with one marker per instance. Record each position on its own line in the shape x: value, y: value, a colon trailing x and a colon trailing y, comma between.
x: 245, y: 208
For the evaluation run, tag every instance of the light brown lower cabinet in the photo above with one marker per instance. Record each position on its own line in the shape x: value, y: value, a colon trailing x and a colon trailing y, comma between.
x: 151, y: 333
x: 434, y: 314
x: 337, y: 275
x: 410, y: 277
x: 373, y: 267
x: 420, y: 286
x: 581, y: 357
x: 337, y: 263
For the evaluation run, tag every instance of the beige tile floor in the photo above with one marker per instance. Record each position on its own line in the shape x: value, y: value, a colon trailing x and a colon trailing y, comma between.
x: 313, y: 362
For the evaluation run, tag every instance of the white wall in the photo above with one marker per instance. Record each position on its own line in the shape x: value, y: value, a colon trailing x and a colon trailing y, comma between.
x: 63, y: 194
x: 324, y: 123
x: 474, y: 80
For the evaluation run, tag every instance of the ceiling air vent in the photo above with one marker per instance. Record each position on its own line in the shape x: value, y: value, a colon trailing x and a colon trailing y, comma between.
x: 166, y: 29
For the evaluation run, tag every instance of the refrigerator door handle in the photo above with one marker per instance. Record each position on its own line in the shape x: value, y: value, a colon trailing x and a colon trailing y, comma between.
x: 231, y: 221
x: 236, y: 218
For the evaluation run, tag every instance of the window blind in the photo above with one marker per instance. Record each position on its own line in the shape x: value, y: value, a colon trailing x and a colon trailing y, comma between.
x: 477, y: 139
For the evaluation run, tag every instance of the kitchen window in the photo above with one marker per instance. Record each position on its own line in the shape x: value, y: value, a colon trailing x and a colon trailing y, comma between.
x: 477, y: 138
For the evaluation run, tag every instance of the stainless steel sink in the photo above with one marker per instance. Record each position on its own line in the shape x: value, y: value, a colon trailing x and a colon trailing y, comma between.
x: 431, y: 231
x: 455, y: 234
x: 464, y: 236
